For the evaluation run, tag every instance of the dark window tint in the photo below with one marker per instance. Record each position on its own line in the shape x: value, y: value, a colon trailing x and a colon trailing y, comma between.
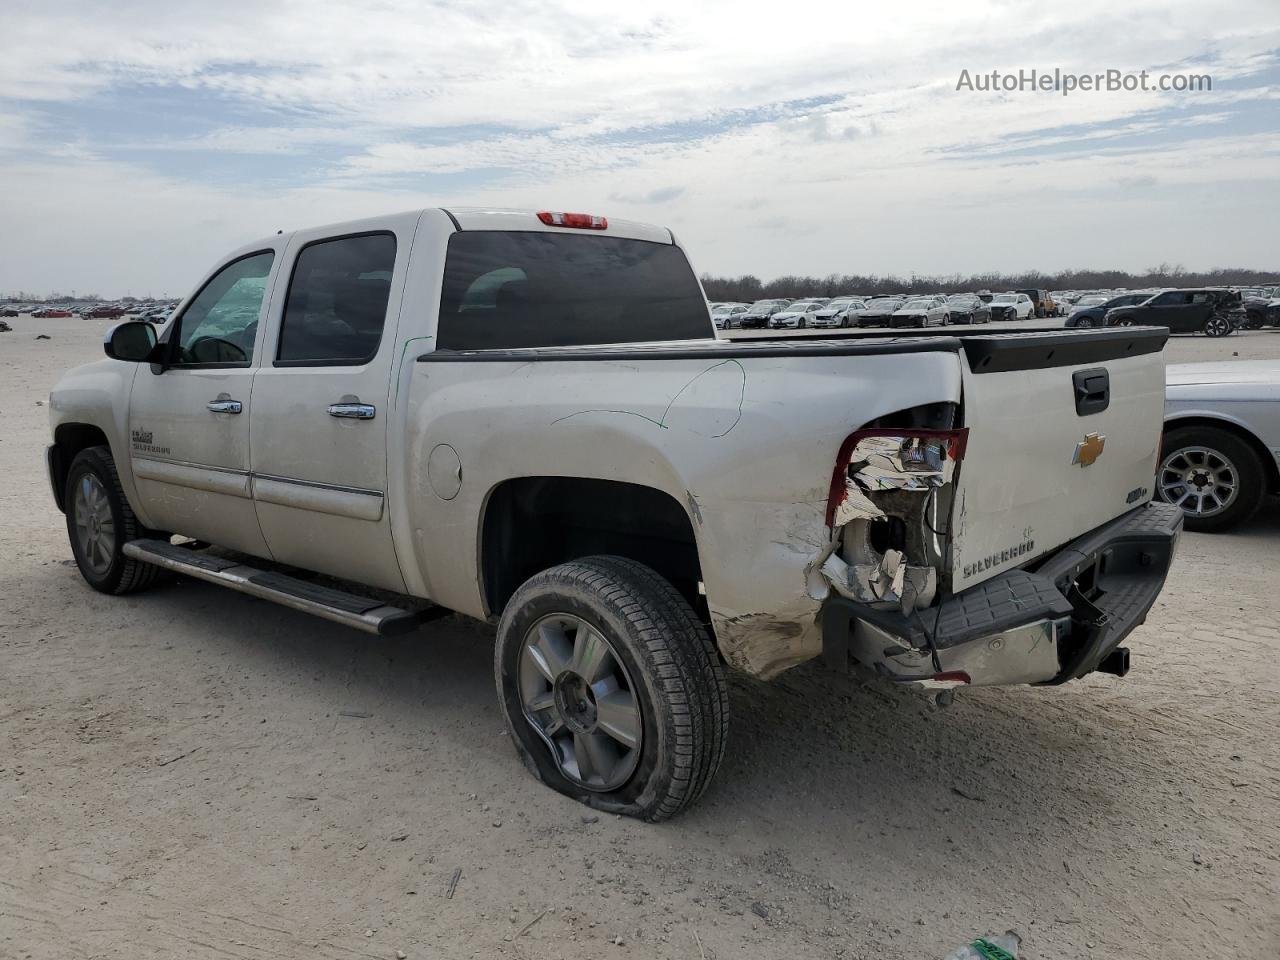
x: 220, y: 324
x: 337, y: 301
x: 507, y: 290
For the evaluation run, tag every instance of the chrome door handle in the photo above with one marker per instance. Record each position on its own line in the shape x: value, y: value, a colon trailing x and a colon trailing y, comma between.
x: 224, y: 406
x: 353, y: 411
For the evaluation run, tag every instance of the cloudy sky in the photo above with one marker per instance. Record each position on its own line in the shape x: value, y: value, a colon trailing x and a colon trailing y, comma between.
x: 139, y: 141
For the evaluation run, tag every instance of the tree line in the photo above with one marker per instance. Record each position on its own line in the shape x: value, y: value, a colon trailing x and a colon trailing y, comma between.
x: 748, y: 288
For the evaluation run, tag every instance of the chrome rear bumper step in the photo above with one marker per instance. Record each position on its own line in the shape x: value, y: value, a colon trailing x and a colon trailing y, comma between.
x: 353, y: 610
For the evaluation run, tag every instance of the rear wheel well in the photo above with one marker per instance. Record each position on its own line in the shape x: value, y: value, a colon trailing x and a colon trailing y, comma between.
x: 1269, y: 465
x: 534, y: 523
x: 68, y: 440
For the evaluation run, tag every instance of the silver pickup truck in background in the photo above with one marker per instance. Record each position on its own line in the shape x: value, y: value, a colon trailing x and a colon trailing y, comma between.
x: 527, y: 418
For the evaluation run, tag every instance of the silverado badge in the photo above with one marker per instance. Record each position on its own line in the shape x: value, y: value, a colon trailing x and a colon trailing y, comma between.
x: 1089, y: 449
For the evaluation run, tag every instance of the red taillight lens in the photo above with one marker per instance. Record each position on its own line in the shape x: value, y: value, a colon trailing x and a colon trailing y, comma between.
x: 888, y: 459
x: 580, y: 221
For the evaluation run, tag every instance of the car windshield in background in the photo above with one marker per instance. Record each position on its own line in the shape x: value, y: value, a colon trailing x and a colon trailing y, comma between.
x: 837, y: 304
x: 1091, y: 301
x: 883, y: 303
x: 962, y: 298
x: 505, y: 290
x: 917, y: 305
x: 1006, y: 298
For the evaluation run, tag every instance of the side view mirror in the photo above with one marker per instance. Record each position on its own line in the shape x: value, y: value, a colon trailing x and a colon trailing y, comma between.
x: 133, y: 341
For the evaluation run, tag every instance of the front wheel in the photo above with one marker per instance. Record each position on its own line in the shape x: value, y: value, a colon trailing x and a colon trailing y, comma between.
x: 611, y: 688
x: 1084, y: 323
x: 1212, y: 475
x: 100, y: 522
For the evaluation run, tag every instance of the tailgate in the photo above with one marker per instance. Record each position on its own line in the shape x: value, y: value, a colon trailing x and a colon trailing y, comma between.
x: 1064, y: 430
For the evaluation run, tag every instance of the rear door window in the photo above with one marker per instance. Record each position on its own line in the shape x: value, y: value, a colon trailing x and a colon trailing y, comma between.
x: 337, y: 301
x: 509, y: 289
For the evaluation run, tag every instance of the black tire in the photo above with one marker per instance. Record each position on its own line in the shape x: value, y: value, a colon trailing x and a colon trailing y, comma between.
x: 1083, y: 323
x: 1243, y: 460
x: 678, y: 678
x: 121, y: 574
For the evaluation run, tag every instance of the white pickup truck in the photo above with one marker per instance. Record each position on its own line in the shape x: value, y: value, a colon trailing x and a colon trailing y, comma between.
x: 527, y: 418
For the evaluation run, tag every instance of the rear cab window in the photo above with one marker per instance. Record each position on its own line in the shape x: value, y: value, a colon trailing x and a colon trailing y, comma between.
x: 513, y: 289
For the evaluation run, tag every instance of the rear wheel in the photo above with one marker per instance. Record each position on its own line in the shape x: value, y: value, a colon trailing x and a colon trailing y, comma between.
x: 1217, y: 326
x: 611, y: 688
x: 1212, y: 475
x: 100, y: 522
x: 1084, y: 322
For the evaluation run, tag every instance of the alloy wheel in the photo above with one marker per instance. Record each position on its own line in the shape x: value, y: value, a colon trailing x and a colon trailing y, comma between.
x: 580, y: 699
x: 95, y: 527
x: 1201, y: 481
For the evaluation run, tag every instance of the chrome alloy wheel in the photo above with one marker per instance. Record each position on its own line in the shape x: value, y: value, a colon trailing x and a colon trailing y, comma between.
x: 578, y: 696
x: 95, y: 527
x: 1202, y: 482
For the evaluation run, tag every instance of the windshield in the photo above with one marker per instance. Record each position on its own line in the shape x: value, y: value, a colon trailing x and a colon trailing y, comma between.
x: 1091, y: 301
x: 961, y: 298
x: 883, y: 303
x: 917, y: 305
x: 837, y: 304
x: 511, y: 289
x: 1005, y: 298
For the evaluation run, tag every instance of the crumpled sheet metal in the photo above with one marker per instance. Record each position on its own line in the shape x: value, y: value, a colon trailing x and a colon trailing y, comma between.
x: 892, y: 580
x: 889, y: 463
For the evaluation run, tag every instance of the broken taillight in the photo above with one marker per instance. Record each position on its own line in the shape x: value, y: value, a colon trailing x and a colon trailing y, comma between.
x: 580, y: 221
x: 891, y: 459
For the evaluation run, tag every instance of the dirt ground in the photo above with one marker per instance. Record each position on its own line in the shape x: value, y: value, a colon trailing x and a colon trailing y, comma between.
x: 190, y: 772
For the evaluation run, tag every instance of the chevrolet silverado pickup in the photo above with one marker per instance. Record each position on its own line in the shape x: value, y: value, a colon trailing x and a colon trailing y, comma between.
x: 528, y: 418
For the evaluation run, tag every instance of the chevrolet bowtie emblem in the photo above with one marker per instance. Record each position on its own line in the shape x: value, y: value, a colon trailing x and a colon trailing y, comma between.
x: 1089, y: 449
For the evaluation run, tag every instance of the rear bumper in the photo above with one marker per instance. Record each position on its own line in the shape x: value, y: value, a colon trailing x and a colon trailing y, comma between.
x: 1047, y: 625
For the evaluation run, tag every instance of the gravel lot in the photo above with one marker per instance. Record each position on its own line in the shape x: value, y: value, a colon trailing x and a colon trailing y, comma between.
x: 192, y: 772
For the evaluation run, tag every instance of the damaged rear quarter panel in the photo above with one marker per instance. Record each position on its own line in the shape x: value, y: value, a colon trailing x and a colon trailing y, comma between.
x: 746, y: 444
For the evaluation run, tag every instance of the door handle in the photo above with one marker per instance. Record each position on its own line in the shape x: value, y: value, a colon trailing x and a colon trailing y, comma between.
x: 224, y: 406
x: 353, y: 411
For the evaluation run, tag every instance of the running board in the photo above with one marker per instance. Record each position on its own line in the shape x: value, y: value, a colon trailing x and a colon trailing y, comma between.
x: 353, y: 610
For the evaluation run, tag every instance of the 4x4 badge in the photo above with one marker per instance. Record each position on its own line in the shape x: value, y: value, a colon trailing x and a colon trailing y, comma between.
x: 1089, y: 449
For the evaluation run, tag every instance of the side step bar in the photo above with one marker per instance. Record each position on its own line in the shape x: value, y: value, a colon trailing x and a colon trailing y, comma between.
x: 363, y: 613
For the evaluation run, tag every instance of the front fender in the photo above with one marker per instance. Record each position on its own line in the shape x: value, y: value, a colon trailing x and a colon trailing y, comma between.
x: 97, y: 395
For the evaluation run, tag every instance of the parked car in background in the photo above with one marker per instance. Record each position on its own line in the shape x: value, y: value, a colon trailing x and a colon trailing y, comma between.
x: 876, y: 313
x: 967, y: 308
x: 795, y: 315
x: 921, y: 312
x: 723, y: 315
x: 1090, y: 311
x: 835, y: 313
x: 103, y: 312
x: 1221, y: 451
x: 8, y: 312
x: 51, y: 312
x: 1011, y: 306
x: 1259, y: 308
x: 758, y: 314
x: 1042, y: 303
x: 1212, y: 311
